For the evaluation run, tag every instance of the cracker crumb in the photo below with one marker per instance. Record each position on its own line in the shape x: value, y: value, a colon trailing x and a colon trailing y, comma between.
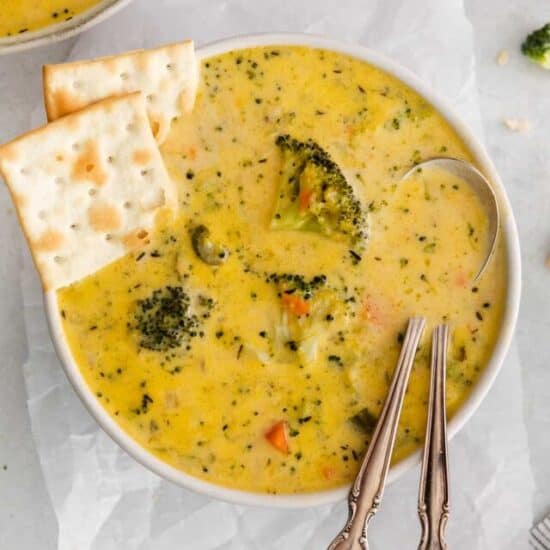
x: 517, y: 125
x: 503, y: 57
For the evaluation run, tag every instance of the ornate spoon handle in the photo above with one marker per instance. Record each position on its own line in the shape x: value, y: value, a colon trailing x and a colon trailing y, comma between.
x: 433, y: 499
x: 366, y: 492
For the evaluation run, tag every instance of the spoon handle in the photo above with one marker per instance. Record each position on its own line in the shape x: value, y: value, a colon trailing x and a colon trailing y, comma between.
x: 433, y: 499
x: 366, y: 492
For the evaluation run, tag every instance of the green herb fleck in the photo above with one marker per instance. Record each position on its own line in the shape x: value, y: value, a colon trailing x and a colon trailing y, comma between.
x: 365, y: 420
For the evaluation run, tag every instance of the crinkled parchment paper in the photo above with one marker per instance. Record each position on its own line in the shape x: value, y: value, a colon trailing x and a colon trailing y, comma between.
x: 106, y: 501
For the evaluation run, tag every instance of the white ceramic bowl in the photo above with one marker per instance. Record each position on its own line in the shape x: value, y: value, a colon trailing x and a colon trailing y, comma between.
x: 509, y: 233
x: 63, y: 29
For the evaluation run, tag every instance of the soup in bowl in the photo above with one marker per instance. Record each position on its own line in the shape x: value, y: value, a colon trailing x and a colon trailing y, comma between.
x: 246, y: 352
x: 26, y: 24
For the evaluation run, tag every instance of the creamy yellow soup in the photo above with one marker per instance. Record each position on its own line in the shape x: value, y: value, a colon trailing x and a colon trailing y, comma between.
x: 265, y: 368
x: 21, y: 16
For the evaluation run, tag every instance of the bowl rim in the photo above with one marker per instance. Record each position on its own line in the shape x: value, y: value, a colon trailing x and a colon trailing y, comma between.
x: 480, y: 390
x: 62, y: 30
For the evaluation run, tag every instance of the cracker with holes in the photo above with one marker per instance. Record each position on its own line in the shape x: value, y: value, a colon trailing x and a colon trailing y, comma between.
x: 87, y: 187
x: 167, y: 76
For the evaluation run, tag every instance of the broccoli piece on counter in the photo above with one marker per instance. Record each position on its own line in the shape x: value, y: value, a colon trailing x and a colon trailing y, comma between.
x: 315, y: 196
x: 164, y: 319
x: 537, y: 46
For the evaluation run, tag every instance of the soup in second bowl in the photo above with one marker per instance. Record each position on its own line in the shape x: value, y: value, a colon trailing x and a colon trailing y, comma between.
x: 21, y: 16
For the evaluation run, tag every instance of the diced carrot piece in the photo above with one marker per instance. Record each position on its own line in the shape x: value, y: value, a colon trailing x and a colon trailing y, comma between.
x: 461, y: 279
x: 328, y: 473
x: 305, y: 199
x: 277, y: 435
x: 192, y: 153
x: 372, y: 312
x: 295, y: 304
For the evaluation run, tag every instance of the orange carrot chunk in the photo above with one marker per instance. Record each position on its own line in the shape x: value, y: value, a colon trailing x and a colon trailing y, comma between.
x: 328, y: 473
x: 305, y: 199
x: 277, y: 435
x: 372, y: 312
x: 461, y: 279
x: 295, y: 304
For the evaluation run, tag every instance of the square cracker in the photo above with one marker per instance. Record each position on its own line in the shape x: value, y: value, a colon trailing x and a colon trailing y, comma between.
x: 167, y: 76
x: 87, y: 187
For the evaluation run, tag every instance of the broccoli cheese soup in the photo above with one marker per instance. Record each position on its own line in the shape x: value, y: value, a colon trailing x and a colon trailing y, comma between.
x: 252, y: 341
x: 20, y: 16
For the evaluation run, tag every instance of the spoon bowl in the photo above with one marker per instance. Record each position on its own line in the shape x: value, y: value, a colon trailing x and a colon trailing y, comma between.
x: 481, y: 186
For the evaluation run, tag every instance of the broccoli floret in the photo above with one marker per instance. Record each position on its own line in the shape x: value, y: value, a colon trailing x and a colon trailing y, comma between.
x: 365, y: 420
x: 315, y: 196
x: 311, y: 310
x: 290, y: 283
x: 537, y: 46
x: 164, y: 320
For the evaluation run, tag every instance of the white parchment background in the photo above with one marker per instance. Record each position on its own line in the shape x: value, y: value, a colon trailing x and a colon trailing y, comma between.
x: 103, y: 499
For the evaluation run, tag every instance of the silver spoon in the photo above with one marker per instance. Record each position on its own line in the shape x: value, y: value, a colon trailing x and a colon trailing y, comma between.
x: 433, y: 497
x: 480, y: 184
x: 433, y: 503
x: 366, y: 492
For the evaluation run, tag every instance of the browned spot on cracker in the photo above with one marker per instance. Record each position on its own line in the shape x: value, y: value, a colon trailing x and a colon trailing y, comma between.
x: 142, y: 63
x: 111, y: 65
x: 88, y: 165
x: 104, y: 217
x: 142, y: 156
x: 20, y: 200
x: 155, y: 127
x: 49, y: 241
x: 64, y: 102
x: 135, y: 239
x: 8, y: 152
